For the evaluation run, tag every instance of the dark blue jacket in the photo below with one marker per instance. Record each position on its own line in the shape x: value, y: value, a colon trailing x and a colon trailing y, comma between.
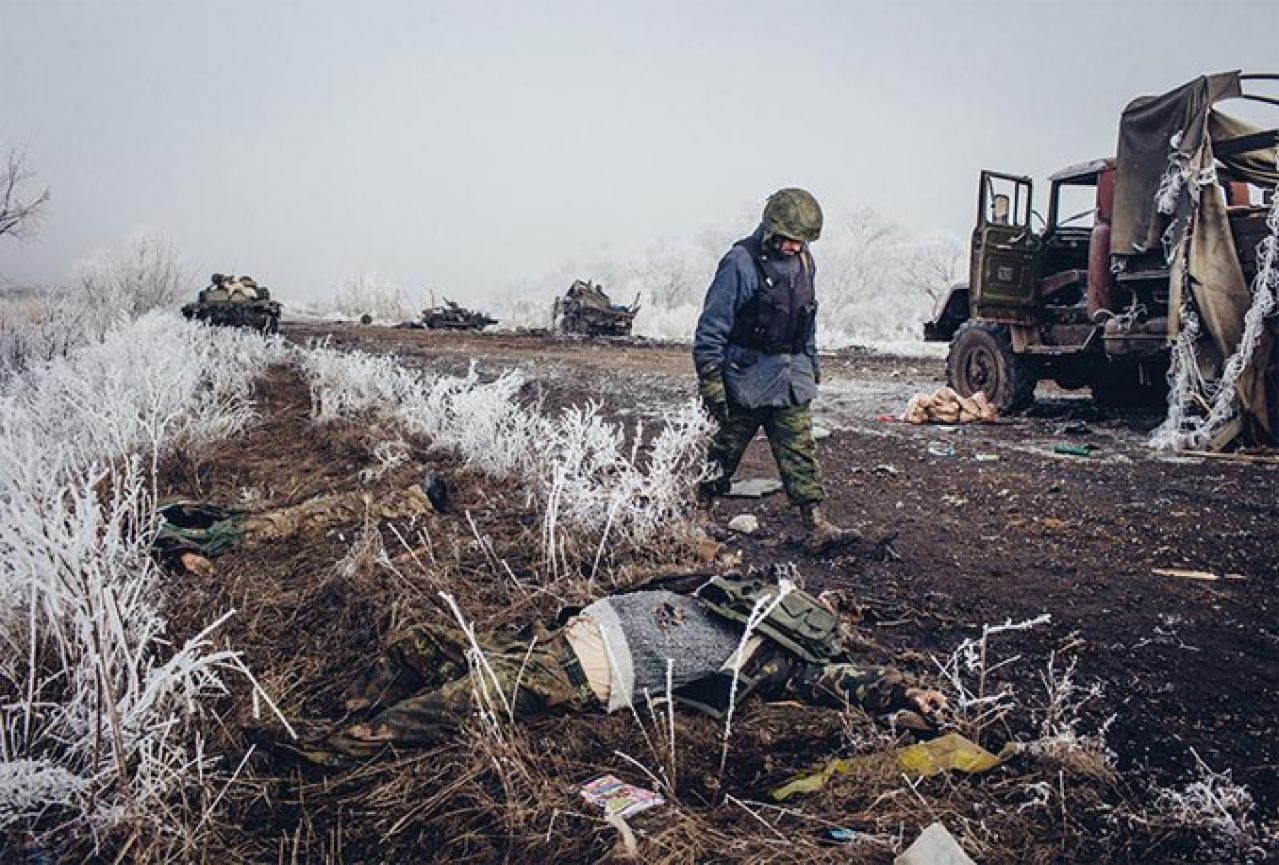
x: 753, y: 379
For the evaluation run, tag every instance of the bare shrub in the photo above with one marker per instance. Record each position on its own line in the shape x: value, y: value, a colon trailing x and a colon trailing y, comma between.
x: 149, y: 273
x: 587, y: 480
x: 376, y: 296
x: 20, y: 212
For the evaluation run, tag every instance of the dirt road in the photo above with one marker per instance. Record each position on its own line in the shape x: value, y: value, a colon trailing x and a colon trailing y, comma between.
x: 990, y: 524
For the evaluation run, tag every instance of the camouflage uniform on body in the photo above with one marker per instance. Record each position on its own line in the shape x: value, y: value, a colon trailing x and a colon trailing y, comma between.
x: 423, y: 687
x: 425, y: 684
x: 836, y: 685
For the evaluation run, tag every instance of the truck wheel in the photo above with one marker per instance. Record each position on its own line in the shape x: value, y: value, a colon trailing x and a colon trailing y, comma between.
x: 981, y: 358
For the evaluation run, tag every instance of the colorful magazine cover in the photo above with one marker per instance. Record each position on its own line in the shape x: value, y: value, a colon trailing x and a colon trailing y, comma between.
x: 618, y: 798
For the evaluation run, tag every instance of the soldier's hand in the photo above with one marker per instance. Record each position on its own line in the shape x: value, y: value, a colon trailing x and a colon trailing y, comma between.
x: 710, y: 385
x: 924, y: 701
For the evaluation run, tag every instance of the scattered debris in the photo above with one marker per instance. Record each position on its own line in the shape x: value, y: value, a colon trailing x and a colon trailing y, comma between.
x: 838, y: 836
x: 1074, y: 450
x: 754, y: 488
x: 1074, y: 428
x: 951, y: 751
x: 934, y: 846
x: 745, y: 524
x: 619, y: 799
x: 820, y: 432
x: 941, y: 449
x: 437, y: 492
x: 922, y: 760
x: 1270, y: 459
x: 944, y: 405
x: 886, y: 469
x: 1194, y: 575
x: 986, y: 458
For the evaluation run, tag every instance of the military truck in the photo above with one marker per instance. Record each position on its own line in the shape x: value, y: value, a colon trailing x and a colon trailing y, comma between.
x: 1085, y: 298
x: 235, y: 302
x: 450, y: 316
x: 586, y: 310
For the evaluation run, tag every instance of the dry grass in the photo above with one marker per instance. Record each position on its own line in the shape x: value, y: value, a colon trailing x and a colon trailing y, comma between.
x: 314, y: 612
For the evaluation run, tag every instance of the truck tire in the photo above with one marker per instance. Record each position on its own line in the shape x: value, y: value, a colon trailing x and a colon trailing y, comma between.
x: 981, y: 358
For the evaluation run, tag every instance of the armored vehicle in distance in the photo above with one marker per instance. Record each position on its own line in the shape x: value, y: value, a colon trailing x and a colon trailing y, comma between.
x: 450, y: 316
x: 235, y: 302
x: 587, y: 311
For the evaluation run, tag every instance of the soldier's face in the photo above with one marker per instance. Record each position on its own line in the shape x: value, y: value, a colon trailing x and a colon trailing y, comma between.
x: 788, y: 247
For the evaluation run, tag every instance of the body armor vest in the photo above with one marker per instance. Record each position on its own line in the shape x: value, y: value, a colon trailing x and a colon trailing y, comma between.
x: 799, y: 623
x: 778, y: 317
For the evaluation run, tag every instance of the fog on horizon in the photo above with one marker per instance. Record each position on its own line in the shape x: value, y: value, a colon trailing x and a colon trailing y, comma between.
x: 486, y: 148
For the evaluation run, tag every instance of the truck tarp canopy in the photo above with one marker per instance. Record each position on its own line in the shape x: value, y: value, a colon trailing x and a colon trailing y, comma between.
x: 1166, y: 161
x: 1146, y: 131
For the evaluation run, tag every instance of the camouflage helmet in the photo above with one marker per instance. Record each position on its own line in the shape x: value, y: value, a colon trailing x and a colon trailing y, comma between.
x: 793, y: 213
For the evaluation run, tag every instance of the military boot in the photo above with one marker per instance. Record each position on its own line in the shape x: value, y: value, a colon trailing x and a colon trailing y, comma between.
x: 821, y: 535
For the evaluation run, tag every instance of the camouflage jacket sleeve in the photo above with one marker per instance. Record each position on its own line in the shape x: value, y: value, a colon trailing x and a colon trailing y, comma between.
x: 733, y: 285
x: 875, y: 689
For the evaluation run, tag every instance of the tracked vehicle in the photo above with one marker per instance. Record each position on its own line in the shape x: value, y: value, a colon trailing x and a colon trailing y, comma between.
x: 235, y: 302
x: 450, y: 316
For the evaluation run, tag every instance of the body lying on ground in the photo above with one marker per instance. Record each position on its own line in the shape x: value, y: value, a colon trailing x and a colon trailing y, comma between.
x: 620, y: 651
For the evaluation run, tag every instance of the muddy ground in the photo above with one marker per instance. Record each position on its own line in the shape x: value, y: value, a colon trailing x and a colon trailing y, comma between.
x: 1186, y: 664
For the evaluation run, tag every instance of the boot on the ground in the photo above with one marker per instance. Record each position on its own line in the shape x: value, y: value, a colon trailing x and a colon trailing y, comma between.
x: 820, y: 535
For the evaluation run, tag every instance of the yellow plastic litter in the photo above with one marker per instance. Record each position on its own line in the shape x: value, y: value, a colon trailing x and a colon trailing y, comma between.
x: 951, y: 751
x: 817, y: 780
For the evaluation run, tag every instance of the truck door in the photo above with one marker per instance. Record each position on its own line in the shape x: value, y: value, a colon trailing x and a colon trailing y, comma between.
x: 1005, y: 250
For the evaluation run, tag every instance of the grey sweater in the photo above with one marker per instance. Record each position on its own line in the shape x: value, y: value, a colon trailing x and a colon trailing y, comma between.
x: 642, y: 630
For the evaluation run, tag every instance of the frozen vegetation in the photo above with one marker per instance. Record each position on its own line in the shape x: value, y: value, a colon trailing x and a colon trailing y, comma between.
x: 97, y: 699
x: 586, y: 476
x: 877, y: 285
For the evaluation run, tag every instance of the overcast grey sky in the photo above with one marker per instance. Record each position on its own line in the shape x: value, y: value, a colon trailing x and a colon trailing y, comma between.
x: 473, y: 146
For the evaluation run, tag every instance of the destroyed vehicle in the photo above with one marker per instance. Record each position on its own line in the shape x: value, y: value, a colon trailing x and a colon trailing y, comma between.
x: 1162, y: 237
x: 236, y: 302
x: 586, y: 310
x: 450, y: 316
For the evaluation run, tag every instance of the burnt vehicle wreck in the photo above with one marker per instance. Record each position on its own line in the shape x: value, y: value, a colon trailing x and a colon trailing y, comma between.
x: 1136, y: 249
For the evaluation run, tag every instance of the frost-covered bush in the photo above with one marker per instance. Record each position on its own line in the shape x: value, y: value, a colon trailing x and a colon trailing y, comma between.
x: 148, y: 273
x: 376, y: 296
x: 96, y: 697
x: 576, y: 460
x: 39, y: 325
x: 1218, y: 810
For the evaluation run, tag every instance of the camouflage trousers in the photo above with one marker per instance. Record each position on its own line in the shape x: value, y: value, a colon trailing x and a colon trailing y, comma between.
x: 779, y: 675
x: 426, y: 689
x: 790, y: 436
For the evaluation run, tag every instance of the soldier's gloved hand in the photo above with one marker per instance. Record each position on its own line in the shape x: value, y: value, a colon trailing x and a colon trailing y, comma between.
x: 710, y: 384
